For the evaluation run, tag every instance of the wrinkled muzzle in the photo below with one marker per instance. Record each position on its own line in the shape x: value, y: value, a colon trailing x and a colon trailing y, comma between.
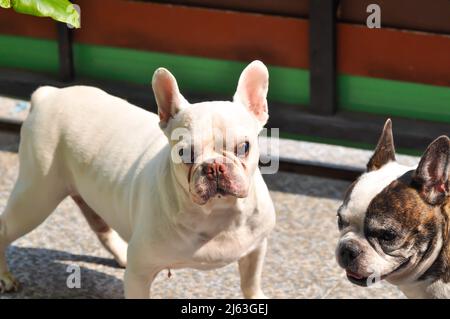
x: 217, y: 178
x: 364, y: 266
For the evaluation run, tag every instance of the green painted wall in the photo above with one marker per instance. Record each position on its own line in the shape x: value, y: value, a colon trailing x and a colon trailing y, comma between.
x: 195, y: 74
x: 28, y: 53
x: 394, y: 98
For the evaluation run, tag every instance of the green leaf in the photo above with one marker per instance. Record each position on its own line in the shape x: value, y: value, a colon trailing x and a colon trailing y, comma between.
x: 60, y: 10
x: 5, y: 4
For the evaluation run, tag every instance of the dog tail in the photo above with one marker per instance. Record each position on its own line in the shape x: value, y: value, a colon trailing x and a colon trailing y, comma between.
x: 40, y: 94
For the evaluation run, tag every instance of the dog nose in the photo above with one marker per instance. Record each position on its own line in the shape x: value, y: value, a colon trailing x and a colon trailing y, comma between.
x: 214, y: 169
x: 348, y: 252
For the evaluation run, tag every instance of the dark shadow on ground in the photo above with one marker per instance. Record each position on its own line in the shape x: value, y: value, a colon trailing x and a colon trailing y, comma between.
x: 9, y: 142
x: 43, y: 273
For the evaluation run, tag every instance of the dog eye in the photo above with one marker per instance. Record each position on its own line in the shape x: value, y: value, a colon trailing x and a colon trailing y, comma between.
x: 387, y: 236
x: 243, y: 149
x: 340, y: 222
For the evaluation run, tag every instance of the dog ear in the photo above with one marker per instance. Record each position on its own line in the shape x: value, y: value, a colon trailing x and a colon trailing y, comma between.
x: 431, y: 175
x: 167, y: 95
x: 385, y: 150
x: 252, y: 90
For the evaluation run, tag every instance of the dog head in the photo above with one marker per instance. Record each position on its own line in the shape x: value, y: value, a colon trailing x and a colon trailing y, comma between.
x: 214, y: 144
x: 393, y: 221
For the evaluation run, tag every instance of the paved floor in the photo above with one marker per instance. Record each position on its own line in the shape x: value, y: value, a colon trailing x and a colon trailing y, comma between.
x: 300, y: 261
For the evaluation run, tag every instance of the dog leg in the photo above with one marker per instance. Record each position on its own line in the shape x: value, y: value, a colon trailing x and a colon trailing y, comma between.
x: 140, y: 273
x: 250, y: 268
x: 137, y: 285
x: 7, y: 281
x: 107, y: 236
x: 28, y: 206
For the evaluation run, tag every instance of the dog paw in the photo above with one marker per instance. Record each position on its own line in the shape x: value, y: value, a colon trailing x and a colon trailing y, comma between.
x: 260, y: 295
x: 8, y: 283
x: 256, y: 295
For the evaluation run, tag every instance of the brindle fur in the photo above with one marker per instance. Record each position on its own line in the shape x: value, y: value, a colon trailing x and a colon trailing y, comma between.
x: 401, y: 208
x: 385, y: 150
x: 407, y: 222
x: 441, y: 268
x: 406, y: 206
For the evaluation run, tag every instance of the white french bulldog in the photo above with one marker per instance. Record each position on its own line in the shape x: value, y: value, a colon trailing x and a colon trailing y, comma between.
x: 190, y: 200
x: 395, y: 221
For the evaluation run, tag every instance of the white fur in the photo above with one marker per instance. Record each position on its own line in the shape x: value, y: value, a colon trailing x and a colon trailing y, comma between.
x: 82, y: 141
x: 368, y: 186
x: 426, y: 289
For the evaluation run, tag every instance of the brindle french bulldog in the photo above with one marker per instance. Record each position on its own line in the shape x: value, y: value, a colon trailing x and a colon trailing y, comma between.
x: 394, y: 221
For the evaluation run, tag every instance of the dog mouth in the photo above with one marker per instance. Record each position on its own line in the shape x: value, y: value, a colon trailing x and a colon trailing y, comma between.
x: 356, y: 279
x: 363, y: 281
x: 222, y: 192
x: 216, y: 192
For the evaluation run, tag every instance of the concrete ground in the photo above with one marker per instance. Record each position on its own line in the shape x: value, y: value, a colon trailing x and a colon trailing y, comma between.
x: 300, y: 261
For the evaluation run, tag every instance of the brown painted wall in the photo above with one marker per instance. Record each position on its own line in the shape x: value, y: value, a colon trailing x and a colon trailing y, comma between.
x: 430, y: 16
x: 421, y: 15
x: 393, y: 54
x: 383, y: 53
x: 15, y: 23
x: 195, y: 31
x: 290, y: 8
